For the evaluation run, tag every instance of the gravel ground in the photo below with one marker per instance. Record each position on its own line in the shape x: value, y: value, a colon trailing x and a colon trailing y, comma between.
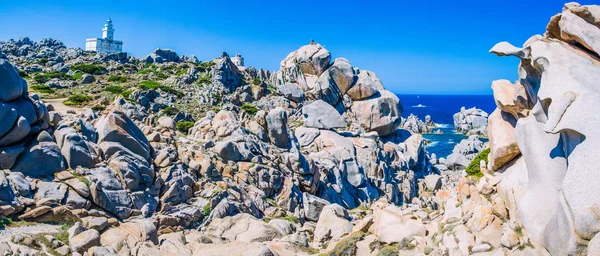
x: 8, y: 232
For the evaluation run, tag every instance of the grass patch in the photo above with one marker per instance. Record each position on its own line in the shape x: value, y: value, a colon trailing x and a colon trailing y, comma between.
x: 206, y: 209
x: 428, y: 250
x: 249, y: 108
x: 98, y: 108
x: 117, y: 79
x: 389, y: 250
x: 63, y: 235
x: 473, y: 167
x: 184, y: 126
x: 153, y: 85
x: 292, y: 219
x: 92, y: 69
x: 205, y: 66
x: 126, y: 93
x: 42, y: 88
x: 346, y: 246
x: 114, y: 89
x: 170, y: 111
x: 77, y: 76
x: 43, y: 61
x: 205, y: 79
x: 256, y: 81
x: 77, y: 100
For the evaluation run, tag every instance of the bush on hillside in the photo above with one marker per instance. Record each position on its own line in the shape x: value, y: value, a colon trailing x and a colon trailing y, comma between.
x: 114, y: 89
x: 473, y: 168
x: 77, y: 100
x: 91, y: 69
x: 117, y: 79
x: 184, y: 126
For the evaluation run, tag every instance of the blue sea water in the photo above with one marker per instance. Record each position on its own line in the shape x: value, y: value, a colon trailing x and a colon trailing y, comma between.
x: 442, y: 108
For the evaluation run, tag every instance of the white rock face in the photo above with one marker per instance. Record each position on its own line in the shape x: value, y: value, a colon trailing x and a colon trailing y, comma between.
x: 559, y: 139
x: 471, y: 121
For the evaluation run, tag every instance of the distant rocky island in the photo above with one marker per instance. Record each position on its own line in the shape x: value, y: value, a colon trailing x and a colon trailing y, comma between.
x: 108, y: 154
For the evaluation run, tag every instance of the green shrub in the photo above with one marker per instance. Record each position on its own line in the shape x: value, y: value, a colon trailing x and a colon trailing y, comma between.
x: 114, y: 89
x: 347, y: 246
x: 23, y: 73
x: 388, y: 250
x: 117, y: 79
x: 98, y: 108
x: 147, y: 85
x: 77, y: 100
x: 473, y: 168
x: 292, y: 219
x: 92, y: 69
x: 63, y: 235
x: 249, y: 108
x: 43, y: 61
x: 40, y: 79
x: 256, y: 81
x: 204, y: 80
x: 42, y: 88
x: 206, y: 209
x: 182, y: 71
x: 170, y: 111
x: 5, y: 222
x: 205, y: 66
x: 77, y: 76
x: 126, y: 93
x: 184, y: 126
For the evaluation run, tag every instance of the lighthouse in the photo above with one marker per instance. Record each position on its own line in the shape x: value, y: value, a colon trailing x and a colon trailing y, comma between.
x: 106, y: 44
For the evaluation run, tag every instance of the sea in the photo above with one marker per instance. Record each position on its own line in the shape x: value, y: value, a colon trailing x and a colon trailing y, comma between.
x: 442, y: 108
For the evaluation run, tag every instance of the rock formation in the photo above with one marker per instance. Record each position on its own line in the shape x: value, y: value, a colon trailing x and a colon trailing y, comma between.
x: 471, y: 121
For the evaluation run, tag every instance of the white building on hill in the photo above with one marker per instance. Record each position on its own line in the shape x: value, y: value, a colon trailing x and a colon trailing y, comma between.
x: 106, y: 44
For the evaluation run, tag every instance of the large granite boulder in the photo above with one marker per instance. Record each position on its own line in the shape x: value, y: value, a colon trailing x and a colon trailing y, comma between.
x: 503, y: 143
x: 319, y: 114
x: 117, y: 129
x: 162, y: 55
x: 41, y: 159
x: 277, y: 127
x: 381, y: 114
x: 12, y: 85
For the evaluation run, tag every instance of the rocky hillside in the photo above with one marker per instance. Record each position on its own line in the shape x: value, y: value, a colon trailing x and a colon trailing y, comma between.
x: 169, y: 155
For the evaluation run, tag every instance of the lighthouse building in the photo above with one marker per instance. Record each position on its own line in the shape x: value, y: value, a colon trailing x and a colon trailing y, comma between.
x: 106, y: 44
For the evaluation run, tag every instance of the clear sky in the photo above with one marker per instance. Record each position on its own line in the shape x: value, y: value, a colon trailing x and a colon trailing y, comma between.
x: 433, y: 47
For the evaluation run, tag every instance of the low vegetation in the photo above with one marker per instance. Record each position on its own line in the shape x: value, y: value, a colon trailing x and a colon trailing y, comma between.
x: 23, y: 73
x: 126, y: 93
x: 473, y: 167
x: 42, y: 88
x: 256, y: 81
x: 77, y: 100
x: 41, y: 78
x: 205, y: 66
x: 117, y: 79
x: 346, y: 246
x: 184, y: 126
x: 153, y: 85
x: 114, y: 89
x: 249, y: 108
x: 92, y: 69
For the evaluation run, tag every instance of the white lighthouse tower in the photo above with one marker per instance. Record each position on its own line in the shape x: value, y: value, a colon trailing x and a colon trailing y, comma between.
x: 106, y: 44
x: 108, y: 31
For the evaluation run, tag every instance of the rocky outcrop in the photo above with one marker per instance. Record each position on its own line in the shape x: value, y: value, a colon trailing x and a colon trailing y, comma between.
x: 369, y: 105
x: 557, y: 139
x: 162, y: 55
x: 471, y: 121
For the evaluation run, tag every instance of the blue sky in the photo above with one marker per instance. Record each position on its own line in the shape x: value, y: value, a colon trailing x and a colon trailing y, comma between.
x: 435, y: 47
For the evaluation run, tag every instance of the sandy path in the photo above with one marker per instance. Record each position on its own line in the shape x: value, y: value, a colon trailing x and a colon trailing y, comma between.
x: 60, y: 106
x: 7, y: 233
